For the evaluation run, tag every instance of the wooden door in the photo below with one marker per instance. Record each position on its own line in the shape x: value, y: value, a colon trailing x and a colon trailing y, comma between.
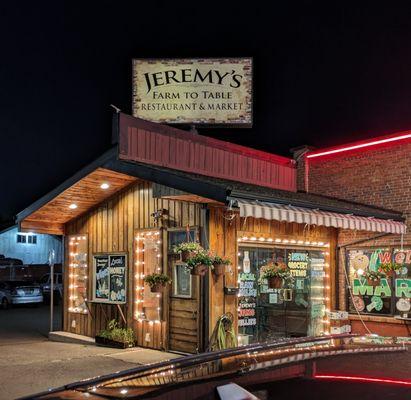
x: 185, y: 308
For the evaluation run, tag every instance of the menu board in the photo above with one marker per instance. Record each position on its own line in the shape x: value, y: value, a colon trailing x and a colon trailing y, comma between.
x: 110, y: 278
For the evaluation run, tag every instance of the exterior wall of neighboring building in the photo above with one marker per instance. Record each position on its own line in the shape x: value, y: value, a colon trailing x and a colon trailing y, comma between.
x: 377, y: 176
x: 30, y: 253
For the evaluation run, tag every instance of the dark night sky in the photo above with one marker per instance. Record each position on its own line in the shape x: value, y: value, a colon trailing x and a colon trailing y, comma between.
x: 323, y: 74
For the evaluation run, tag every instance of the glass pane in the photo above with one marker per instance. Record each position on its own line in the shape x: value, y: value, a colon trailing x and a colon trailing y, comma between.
x: 366, y: 297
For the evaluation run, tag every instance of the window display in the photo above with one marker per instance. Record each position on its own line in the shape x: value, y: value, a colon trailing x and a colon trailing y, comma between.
x: 294, y: 307
x: 380, y: 280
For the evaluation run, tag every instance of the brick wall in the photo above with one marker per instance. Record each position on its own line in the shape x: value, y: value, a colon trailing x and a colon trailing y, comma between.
x: 380, y: 177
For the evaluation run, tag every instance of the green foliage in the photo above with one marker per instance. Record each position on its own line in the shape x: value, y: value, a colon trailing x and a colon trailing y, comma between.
x: 113, y: 332
x: 221, y: 260
x: 200, y: 258
x: 389, y: 267
x: 275, y: 270
x: 157, y: 279
x: 187, y: 246
x: 374, y: 275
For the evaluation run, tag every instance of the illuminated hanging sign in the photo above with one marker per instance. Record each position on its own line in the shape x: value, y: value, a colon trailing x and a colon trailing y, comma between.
x: 210, y: 91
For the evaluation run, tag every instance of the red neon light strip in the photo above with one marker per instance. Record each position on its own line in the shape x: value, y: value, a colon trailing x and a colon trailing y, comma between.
x: 364, y: 379
x: 359, y: 146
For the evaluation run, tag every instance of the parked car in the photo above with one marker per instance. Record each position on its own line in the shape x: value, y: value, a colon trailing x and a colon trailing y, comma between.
x: 23, y: 292
x: 5, y: 296
x: 58, y: 287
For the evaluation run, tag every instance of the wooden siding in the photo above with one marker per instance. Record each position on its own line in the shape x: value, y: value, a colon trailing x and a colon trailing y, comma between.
x: 86, y: 194
x: 155, y: 144
x: 110, y: 228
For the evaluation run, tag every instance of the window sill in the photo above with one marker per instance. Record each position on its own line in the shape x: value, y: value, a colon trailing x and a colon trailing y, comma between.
x: 375, y: 318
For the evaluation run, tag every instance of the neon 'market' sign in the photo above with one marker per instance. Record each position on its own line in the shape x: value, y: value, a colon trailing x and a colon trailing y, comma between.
x: 402, y: 288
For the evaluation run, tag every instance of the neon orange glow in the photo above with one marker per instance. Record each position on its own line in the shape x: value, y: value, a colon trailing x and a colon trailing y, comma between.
x: 365, y: 379
x: 358, y: 146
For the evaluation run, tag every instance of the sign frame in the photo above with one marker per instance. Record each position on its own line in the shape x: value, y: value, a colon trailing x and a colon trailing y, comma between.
x: 245, y: 125
x: 109, y: 255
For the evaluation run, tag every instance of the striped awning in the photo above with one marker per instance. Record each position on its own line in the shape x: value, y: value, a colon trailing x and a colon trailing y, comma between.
x: 300, y: 215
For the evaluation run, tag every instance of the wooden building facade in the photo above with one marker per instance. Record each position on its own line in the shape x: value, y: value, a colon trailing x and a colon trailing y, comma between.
x: 130, y: 207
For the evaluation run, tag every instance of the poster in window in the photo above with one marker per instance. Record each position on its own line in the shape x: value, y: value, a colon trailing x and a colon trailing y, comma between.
x: 102, y: 278
x: 110, y: 278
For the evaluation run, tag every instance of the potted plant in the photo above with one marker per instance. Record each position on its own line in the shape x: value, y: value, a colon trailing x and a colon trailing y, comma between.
x: 389, y: 268
x: 116, y: 337
x: 199, y: 263
x: 157, y: 282
x: 187, y: 250
x: 275, y: 274
x: 374, y: 277
x: 220, y: 264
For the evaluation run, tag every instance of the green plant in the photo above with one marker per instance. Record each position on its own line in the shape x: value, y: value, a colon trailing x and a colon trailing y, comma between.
x: 200, y: 258
x: 223, y: 336
x: 221, y: 260
x: 374, y: 275
x: 389, y: 267
x: 187, y: 246
x: 157, y: 279
x: 113, y: 332
x: 275, y: 270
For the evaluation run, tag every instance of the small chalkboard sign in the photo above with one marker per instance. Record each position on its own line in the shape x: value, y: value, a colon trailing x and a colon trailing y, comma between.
x: 110, y: 278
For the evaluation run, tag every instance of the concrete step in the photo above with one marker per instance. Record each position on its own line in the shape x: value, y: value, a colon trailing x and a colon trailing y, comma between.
x: 68, y: 337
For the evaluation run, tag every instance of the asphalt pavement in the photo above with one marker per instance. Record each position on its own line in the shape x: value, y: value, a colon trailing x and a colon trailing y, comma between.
x: 30, y: 363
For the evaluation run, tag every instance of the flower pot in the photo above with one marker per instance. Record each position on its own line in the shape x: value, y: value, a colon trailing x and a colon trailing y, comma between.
x: 275, y: 282
x: 199, y: 269
x: 158, y: 288
x: 186, y: 254
x: 371, y: 282
x: 219, y: 269
x: 105, y: 342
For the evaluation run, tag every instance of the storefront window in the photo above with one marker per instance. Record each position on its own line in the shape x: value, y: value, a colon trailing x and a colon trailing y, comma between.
x: 390, y: 294
x: 78, y: 274
x: 291, y: 311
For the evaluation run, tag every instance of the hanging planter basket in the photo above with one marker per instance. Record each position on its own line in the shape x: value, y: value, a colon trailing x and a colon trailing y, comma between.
x: 158, y: 288
x: 186, y: 254
x: 219, y: 269
x: 275, y: 282
x: 199, y: 269
x: 374, y: 283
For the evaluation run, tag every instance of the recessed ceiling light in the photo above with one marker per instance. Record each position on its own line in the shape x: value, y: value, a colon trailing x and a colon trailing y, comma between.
x: 104, y: 186
x: 73, y: 206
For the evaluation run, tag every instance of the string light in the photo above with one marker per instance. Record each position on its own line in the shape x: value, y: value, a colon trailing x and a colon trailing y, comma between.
x: 140, y: 246
x: 77, y: 274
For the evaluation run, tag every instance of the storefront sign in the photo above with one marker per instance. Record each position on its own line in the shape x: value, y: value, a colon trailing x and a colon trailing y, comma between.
x: 110, y: 278
x: 247, y: 302
x: 298, y: 263
x: 214, y: 91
